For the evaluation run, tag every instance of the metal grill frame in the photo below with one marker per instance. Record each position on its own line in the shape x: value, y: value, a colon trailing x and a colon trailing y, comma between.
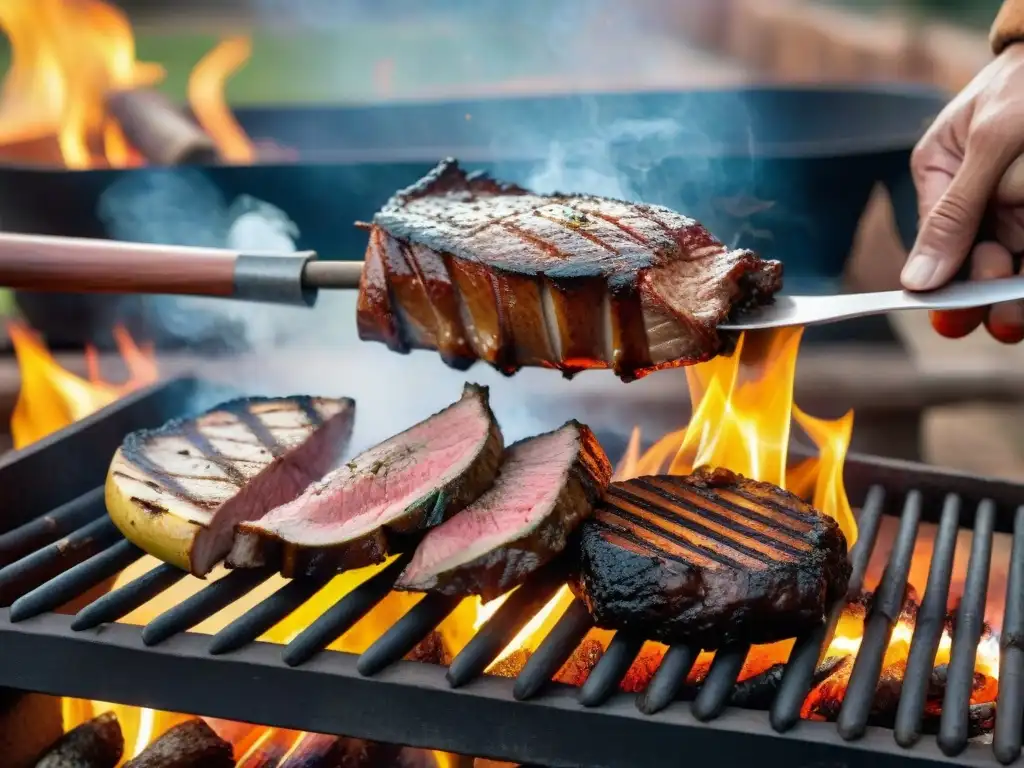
x: 529, y: 720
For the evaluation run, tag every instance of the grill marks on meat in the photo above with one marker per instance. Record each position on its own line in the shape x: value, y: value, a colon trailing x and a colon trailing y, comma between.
x: 361, y: 512
x: 547, y: 485
x: 709, y: 559
x: 232, y: 463
x: 479, y: 269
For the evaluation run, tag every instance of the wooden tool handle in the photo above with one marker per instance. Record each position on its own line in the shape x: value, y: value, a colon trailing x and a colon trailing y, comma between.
x: 85, y: 265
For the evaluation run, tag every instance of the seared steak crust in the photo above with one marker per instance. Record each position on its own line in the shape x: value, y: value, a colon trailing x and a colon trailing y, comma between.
x: 709, y: 559
x: 547, y: 485
x: 479, y: 269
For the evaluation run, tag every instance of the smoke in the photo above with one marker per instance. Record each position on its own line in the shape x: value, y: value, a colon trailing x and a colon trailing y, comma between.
x: 183, y: 207
x: 619, y: 148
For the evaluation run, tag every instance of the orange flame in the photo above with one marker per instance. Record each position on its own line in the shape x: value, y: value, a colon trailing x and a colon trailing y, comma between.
x: 743, y: 412
x: 51, y: 397
x: 206, y: 96
x: 68, y: 55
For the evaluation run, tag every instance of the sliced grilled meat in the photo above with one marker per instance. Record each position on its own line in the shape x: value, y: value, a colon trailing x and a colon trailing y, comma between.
x: 546, y: 486
x: 178, y: 491
x: 709, y: 559
x: 357, y: 515
x: 479, y: 269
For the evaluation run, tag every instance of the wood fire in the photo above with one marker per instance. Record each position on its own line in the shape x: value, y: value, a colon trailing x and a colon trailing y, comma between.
x: 76, y: 95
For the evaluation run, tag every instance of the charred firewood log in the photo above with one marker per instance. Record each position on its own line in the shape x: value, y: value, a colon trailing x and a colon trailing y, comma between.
x: 160, y: 131
x: 97, y: 743
x: 192, y: 744
x: 758, y: 692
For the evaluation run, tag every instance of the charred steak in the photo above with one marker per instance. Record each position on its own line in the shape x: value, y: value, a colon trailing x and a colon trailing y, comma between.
x: 479, y: 269
x: 709, y: 559
x: 546, y: 486
x: 177, y: 492
x: 355, y: 516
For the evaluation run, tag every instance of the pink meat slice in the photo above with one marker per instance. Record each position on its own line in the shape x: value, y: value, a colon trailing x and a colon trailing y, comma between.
x: 547, y: 485
x: 411, y: 481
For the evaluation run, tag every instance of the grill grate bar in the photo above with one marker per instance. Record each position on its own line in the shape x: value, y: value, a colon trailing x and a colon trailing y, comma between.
x: 203, y: 604
x: 123, y: 600
x: 1006, y: 741
x: 75, y: 581
x: 798, y: 677
x: 34, y: 570
x: 553, y: 651
x: 954, y: 726
x: 668, y: 680
x: 606, y: 675
x: 713, y: 697
x: 931, y: 619
x: 405, y: 633
x: 882, y: 617
x: 37, y: 533
x: 339, y: 618
x: 253, y: 623
x: 501, y: 628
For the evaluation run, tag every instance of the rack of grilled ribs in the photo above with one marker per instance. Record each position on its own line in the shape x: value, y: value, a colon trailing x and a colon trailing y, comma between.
x: 479, y: 269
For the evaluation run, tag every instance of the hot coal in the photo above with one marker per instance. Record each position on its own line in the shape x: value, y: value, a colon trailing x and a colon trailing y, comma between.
x: 192, y: 744
x: 375, y: 504
x: 479, y: 269
x: 546, y: 486
x: 431, y: 650
x: 709, y: 559
x: 97, y: 743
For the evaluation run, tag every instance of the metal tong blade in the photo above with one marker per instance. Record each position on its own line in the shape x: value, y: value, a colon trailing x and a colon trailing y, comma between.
x: 817, y: 310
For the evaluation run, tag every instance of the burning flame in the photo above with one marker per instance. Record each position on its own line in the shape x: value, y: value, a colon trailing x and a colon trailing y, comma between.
x: 206, y: 95
x: 52, y: 397
x: 743, y: 412
x: 68, y: 56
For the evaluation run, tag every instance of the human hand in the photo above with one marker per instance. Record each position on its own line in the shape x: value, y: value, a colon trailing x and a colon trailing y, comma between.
x: 966, y: 167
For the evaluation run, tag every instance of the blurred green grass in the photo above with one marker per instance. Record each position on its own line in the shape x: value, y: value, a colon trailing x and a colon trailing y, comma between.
x: 343, y: 65
x: 976, y: 14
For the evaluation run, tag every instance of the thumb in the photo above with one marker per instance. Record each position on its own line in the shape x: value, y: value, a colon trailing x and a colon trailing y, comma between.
x: 949, y: 229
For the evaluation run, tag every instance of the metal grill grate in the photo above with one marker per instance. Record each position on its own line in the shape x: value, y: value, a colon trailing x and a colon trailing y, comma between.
x: 52, y: 557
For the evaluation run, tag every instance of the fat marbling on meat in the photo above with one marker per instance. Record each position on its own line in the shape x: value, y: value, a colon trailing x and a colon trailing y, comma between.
x: 479, y: 269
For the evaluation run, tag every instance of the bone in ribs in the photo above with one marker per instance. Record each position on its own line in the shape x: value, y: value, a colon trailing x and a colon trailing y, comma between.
x: 480, y: 269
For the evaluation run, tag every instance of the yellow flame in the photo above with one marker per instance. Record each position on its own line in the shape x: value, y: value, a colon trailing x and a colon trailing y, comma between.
x: 206, y: 97
x: 51, y: 397
x: 67, y: 56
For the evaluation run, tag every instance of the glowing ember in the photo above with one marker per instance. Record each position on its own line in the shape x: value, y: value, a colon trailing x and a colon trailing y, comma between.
x: 67, y: 56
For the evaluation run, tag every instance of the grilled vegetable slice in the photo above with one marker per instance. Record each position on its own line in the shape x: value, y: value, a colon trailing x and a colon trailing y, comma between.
x: 178, y: 491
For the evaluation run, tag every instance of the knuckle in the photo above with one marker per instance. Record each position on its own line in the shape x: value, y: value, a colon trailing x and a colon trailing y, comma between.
x: 919, y: 156
x: 952, y: 210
